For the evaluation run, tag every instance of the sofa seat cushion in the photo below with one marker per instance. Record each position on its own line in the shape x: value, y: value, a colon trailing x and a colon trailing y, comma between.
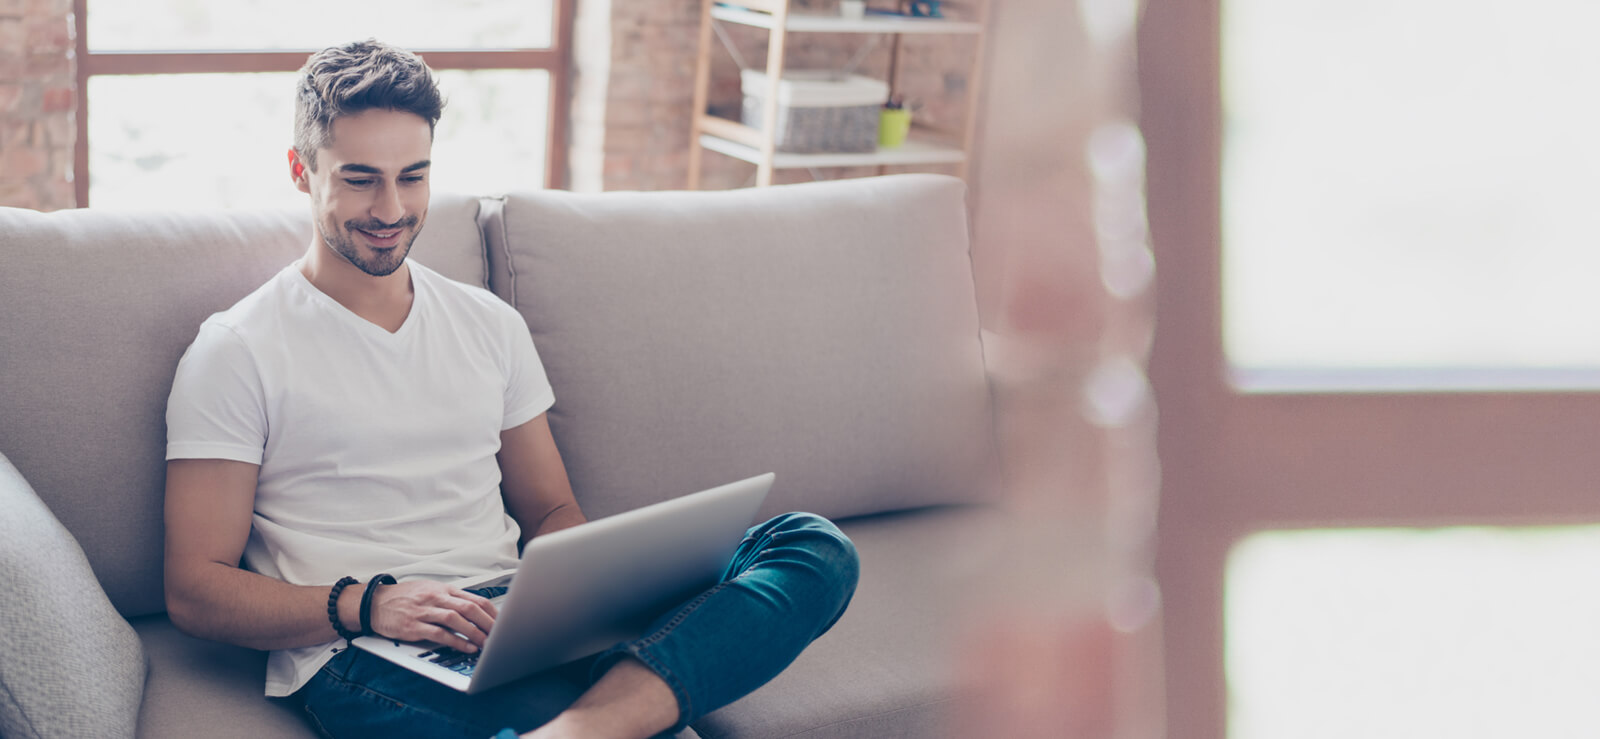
x: 827, y: 332
x: 885, y: 670
x: 208, y: 690
x: 200, y: 688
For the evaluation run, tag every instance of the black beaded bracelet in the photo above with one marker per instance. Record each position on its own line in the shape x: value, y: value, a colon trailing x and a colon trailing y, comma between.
x: 366, y: 599
x: 333, y: 608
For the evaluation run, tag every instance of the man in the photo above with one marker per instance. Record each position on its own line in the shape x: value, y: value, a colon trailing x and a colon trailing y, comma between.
x: 361, y: 415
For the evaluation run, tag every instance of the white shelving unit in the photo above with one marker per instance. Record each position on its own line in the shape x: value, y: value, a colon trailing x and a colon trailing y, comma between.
x: 912, y: 153
x: 758, y: 146
x: 872, y: 23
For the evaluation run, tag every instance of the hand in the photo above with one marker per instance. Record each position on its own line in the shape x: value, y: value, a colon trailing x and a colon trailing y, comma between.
x: 424, y: 610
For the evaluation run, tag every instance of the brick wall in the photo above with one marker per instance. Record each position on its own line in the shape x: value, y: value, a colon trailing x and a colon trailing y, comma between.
x: 37, y: 98
x: 648, y: 93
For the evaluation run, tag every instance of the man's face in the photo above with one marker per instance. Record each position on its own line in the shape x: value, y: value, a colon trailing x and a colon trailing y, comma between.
x: 369, y: 195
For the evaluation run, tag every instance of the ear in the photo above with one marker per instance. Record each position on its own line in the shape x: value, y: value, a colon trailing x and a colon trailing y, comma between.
x: 299, y: 172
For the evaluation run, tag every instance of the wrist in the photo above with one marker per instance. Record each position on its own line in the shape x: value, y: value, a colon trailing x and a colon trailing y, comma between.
x: 350, y: 608
x: 367, y: 596
x: 336, y: 595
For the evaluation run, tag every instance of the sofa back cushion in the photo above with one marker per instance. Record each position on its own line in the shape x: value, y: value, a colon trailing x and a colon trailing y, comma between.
x: 826, y: 332
x: 96, y: 307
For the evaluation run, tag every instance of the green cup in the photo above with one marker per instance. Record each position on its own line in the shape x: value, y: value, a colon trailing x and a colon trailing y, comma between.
x: 893, y: 125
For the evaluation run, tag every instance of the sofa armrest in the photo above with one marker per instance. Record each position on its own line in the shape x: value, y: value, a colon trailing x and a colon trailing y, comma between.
x: 71, y: 665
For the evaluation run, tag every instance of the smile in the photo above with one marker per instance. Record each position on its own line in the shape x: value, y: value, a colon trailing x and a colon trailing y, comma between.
x: 382, y: 239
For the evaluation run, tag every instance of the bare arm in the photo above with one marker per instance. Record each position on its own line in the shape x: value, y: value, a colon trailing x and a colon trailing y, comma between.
x: 534, y: 480
x: 208, y: 512
x: 208, y: 509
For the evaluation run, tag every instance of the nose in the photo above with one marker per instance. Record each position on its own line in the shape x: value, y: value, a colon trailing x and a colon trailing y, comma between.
x: 387, y: 207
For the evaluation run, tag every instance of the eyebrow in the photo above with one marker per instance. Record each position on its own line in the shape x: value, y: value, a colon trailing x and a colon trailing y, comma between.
x: 368, y: 169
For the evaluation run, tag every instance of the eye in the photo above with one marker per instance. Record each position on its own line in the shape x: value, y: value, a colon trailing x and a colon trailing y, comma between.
x: 359, y: 182
x: 414, y: 178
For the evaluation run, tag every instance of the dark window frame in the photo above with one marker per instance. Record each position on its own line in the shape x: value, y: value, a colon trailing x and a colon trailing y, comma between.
x: 1234, y: 463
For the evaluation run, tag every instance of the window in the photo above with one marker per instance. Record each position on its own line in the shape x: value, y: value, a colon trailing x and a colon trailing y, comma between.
x: 1465, y: 632
x: 167, y: 120
x: 1410, y: 186
x: 1407, y: 193
x: 1326, y: 172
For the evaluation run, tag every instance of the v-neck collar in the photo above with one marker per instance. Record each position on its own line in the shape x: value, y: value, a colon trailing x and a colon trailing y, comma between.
x: 351, y: 317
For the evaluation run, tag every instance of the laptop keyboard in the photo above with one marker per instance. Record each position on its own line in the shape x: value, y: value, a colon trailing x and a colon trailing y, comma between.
x: 456, y: 660
x: 453, y: 660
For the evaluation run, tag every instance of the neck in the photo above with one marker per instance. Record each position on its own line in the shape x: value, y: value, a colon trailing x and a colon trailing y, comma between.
x: 375, y: 298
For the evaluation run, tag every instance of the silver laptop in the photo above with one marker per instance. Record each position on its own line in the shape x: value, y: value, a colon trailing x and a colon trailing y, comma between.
x: 581, y: 590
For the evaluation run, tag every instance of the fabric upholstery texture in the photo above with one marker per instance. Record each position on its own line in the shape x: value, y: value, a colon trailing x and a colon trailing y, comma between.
x: 697, y: 338
x: 69, y: 664
x: 886, y: 669
x: 204, y: 688
x: 98, y: 307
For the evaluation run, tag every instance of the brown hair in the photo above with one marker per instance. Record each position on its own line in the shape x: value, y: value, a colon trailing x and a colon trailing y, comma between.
x: 356, y: 77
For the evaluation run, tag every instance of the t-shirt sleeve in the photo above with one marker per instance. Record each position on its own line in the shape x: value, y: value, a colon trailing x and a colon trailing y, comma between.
x: 217, y: 406
x: 528, y: 391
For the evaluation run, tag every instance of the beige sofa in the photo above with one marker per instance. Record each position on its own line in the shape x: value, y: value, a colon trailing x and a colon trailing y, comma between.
x: 827, y: 332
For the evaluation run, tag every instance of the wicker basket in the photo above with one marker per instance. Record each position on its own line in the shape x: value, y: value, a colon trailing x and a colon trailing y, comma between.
x: 818, y: 111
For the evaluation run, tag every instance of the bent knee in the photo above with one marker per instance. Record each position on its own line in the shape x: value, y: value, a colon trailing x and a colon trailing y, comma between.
x: 832, y: 548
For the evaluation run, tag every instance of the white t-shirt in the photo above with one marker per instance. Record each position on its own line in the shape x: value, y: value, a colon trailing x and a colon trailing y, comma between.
x: 376, y: 450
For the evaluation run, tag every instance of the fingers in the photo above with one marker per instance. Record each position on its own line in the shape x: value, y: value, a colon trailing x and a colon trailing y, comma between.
x: 458, y: 622
x: 422, y: 610
x: 484, y: 603
x: 446, y: 637
x: 477, y: 610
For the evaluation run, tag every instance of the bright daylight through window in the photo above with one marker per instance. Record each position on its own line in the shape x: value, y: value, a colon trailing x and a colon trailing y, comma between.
x: 1408, y: 194
x: 1411, y: 184
x: 204, y: 139
x: 1467, y: 633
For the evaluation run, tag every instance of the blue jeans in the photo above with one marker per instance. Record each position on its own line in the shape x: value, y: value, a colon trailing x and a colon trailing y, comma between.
x: 787, y: 584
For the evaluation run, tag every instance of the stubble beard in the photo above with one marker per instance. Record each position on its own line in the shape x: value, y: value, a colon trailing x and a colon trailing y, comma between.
x: 383, y: 262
